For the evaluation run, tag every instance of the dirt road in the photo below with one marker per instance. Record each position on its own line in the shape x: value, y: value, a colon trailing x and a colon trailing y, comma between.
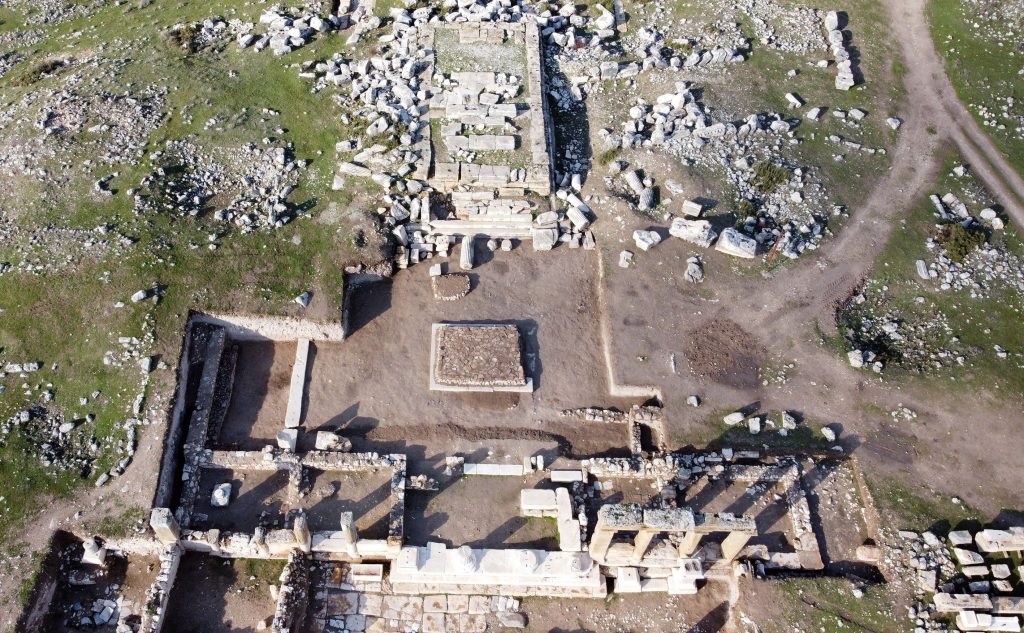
x: 780, y: 314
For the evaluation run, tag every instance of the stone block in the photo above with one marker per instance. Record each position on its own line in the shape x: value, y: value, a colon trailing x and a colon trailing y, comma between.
x: 627, y: 580
x: 566, y: 476
x: 458, y: 603
x: 287, y: 439
x: 437, y: 603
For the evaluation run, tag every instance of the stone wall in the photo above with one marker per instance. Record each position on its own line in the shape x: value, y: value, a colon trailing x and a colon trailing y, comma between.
x: 160, y: 591
x: 293, y: 596
x: 247, y: 327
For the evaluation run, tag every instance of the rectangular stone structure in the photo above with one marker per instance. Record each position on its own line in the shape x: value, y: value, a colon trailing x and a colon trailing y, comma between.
x: 293, y: 415
x: 477, y: 357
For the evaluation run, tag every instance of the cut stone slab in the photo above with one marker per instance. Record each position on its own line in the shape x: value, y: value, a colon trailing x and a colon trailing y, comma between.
x: 698, y: 232
x: 287, y: 439
x: 692, y: 208
x: 293, y: 415
x: 734, y: 243
x: 627, y: 580
x: 646, y: 240
x: 544, y: 239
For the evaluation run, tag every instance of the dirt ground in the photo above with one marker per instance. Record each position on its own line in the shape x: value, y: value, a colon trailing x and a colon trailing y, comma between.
x: 257, y: 498
x: 479, y: 511
x: 259, y: 396
x: 551, y: 299
x: 705, y: 612
x: 261, y: 498
x: 213, y: 595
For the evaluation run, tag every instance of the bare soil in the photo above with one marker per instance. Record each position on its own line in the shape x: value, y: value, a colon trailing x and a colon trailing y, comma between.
x: 212, y: 595
x: 259, y: 396
x: 374, y: 387
x: 479, y: 511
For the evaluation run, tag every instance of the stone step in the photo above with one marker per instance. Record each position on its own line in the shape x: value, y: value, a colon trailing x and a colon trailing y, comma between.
x: 490, y: 226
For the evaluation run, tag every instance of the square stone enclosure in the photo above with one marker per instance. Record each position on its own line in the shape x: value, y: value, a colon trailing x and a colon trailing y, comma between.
x: 477, y: 357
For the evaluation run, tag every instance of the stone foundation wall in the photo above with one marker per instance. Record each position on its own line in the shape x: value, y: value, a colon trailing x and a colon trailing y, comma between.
x: 246, y: 327
x: 160, y: 592
x: 293, y: 596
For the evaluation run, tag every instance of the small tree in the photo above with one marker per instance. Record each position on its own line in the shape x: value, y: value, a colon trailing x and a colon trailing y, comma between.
x: 961, y: 242
x: 768, y: 177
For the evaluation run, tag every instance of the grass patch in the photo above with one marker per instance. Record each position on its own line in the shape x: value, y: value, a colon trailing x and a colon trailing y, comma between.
x: 265, y: 571
x: 828, y: 605
x: 983, y: 70
x: 125, y: 524
x: 919, y: 508
x: 961, y: 242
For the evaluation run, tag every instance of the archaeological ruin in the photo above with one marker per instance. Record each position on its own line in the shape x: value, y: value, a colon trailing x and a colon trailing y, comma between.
x: 291, y: 443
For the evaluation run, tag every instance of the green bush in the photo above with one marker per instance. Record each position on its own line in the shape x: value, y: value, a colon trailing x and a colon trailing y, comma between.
x: 607, y: 156
x: 961, y: 242
x: 768, y: 176
x: 744, y: 208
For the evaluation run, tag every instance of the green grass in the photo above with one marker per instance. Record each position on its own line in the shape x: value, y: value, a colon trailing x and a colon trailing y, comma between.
x: 913, y: 507
x: 267, y: 572
x: 68, y: 318
x: 980, y: 69
x: 829, y: 606
x: 127, y: 523
x: 979, y: 323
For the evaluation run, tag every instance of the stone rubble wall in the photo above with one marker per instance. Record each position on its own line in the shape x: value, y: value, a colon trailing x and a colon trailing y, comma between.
x: 160, y: 591
x: 199, y: 425
x: 293, y: 596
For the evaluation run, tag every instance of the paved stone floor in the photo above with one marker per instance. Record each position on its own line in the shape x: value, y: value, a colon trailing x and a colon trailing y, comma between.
x: 346, y: 607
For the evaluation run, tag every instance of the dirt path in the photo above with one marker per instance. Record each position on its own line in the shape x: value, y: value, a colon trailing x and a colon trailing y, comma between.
x: 780, y: 314
x: 931, y: 83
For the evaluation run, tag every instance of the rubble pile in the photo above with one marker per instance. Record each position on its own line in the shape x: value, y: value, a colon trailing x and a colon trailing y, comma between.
x: 682, y: 124
x: 54, y: 441
x: 54, y: 12
x: 187, y: 177
x: 963, y: 578
x: 288, y: 29
x: 985, y: 269
x: 9, y: 60
x: 880, y: 334
x: 791, y: 29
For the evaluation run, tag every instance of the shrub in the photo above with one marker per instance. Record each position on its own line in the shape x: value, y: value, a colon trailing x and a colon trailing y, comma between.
x: 768, y: 176
x: 607, y: 156
x: 744, y: 208
x: 961, y: 242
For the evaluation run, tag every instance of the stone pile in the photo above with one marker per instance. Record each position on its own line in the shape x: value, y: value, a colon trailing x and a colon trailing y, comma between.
x: 963, y: 577
x: 881, y: 334
x: 783, y: 27
x: 187, y: 177
x: 845, y: 78
x: 288, y: 30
